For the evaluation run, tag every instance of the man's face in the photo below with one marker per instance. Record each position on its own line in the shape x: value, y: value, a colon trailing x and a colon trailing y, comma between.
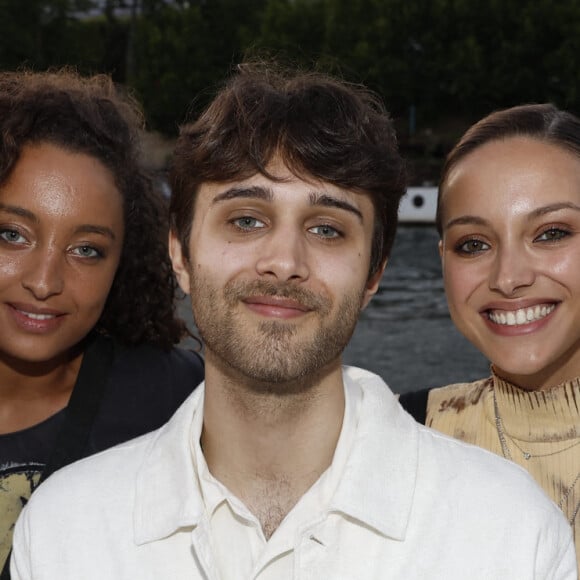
x: 278, y: 274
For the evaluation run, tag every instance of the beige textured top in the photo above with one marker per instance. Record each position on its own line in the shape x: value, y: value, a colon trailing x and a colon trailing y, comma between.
x: 543, y: 424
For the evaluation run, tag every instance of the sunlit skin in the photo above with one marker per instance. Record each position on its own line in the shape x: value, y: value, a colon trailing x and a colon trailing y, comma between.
x: 511, y: 252
x: 309, y: 241
x: 61, y: 235
x: 278, y: 273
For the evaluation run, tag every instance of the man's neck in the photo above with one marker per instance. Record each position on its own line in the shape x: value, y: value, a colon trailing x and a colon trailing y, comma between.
x: 269, y: 449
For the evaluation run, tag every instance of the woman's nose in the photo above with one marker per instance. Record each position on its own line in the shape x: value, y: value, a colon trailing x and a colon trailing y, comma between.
x: 513, y: 268
x: 43, y: 275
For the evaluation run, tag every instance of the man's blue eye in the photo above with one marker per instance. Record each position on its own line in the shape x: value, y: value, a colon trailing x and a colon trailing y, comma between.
x: 325, y: 231
x: 248, y: 223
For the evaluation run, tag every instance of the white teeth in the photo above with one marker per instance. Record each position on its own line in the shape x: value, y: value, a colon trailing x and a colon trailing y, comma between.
x: 38, y: 316
x: 520, y: 316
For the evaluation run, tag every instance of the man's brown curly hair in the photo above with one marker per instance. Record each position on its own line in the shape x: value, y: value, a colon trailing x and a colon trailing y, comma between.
x: 320, y: 126
x: 91, y: 115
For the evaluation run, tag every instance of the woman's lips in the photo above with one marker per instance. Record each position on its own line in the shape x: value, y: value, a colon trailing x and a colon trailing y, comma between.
x: 520, y: 316
x: 525, y: 319
x: 34, y: 319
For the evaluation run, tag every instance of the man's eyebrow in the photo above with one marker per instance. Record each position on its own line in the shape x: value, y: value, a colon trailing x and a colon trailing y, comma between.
x: 265, y: 193
x: 326, y: 200
x: 253, y: 192
x: 19, y: 211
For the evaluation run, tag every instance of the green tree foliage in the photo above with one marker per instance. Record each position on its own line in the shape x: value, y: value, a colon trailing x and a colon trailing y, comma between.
x: 171, y: 65
x: 439, y: 58
x: 182, y: 49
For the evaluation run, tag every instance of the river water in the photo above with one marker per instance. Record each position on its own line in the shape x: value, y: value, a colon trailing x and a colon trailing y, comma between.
x: 405, y: 334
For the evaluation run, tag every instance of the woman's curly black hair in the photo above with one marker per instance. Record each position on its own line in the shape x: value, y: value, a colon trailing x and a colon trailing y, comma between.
x: 91, y: 115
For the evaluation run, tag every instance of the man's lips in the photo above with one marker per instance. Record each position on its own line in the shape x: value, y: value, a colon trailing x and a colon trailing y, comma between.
x: 276, y: 300
x: 279, y: 301
x: 276, y: 306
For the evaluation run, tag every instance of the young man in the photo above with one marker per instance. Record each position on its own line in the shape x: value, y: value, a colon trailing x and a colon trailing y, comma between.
x: 285, y: 464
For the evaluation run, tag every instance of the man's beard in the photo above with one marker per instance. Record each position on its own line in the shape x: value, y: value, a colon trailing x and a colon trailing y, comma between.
x: 272, y: 352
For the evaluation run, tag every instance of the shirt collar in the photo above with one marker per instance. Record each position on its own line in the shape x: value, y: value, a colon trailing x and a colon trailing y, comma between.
x: 376, y: 485
x: 378, y: 482
x: 167, y: 495
x: 318, y: 497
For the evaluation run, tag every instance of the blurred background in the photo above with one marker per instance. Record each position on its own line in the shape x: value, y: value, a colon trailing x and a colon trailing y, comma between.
x: 438, y: 64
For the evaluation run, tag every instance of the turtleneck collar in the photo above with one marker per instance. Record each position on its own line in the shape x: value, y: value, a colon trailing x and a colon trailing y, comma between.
x: 542, y: 415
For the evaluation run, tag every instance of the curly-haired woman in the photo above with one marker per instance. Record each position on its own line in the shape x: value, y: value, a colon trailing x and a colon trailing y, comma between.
x: 87, y: 321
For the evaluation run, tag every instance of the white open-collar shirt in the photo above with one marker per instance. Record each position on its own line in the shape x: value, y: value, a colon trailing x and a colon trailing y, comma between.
x: 400, y: 501
x: 237, y: 539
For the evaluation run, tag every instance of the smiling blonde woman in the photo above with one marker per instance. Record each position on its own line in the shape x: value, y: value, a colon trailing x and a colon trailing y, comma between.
x: 509, y: 220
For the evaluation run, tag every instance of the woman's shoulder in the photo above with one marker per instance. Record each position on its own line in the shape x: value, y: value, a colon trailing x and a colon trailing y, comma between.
x: 144, y: 386
x: 152, y: 369
x: 442, y: 398
x: 458, y: 395
x: 151, y: 358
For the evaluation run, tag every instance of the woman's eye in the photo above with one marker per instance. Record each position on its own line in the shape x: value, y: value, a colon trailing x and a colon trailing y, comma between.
x: 248, y: 223
x: 12, y: 236
x: 472, y: 247
x: 87, y: 252
x: 552, y: 235
x: 325, y: 231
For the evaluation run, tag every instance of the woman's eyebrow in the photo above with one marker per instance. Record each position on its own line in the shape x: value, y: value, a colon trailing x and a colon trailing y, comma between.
x: 19, y: 211
x: 540, y: 211
x: 84, y: 228
x: 94, y: 229
x: 465, y: 220
x: 554, y: 207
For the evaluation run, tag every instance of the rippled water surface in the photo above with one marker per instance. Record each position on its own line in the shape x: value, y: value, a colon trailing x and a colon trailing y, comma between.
x: 405, y: 334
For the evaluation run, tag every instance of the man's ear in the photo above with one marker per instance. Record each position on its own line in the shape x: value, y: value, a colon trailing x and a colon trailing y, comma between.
x: 179, y: 261
x: 372, y: 284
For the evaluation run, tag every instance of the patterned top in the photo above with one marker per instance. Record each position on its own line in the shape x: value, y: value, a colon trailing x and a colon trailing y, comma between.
x: 540, y: 431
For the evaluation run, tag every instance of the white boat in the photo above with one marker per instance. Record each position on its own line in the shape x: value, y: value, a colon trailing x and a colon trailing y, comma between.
x: 418, y: 205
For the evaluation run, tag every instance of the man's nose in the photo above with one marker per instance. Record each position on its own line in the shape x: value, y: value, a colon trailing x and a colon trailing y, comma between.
x: 284, y: 256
